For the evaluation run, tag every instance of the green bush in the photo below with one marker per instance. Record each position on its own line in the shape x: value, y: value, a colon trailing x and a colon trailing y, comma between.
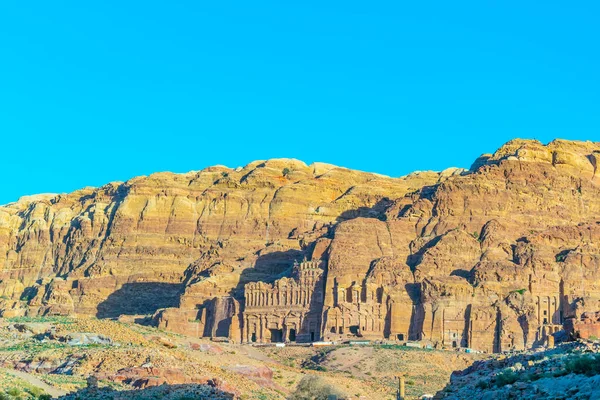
x: 286, y: 171
x: 560, y: 373
x: 520, y: 291
x: 584, y: 365
x: 483, y: 384
x: 313, y: 387
x: 532, y: 376
x: 57, y: 319
x: 35, y: 391
x: 506, y: 377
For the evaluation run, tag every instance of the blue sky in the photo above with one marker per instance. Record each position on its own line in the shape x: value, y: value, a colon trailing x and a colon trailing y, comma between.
x: 92, y: 92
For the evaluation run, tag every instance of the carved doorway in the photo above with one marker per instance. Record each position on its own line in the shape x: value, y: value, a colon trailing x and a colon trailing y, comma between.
x: 276, y: 335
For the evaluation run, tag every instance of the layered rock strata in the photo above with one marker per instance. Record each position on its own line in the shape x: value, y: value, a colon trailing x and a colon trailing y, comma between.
x: 498, y: 257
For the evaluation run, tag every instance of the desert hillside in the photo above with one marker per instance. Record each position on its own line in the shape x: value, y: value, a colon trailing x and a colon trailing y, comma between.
x: 57, y: 355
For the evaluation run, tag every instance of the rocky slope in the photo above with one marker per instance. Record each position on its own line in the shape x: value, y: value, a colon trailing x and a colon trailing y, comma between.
x: 498, y: 257
x: 570, y: 371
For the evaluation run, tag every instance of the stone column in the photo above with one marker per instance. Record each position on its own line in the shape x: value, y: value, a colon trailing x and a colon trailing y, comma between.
x: 247, y: 338
x: 262, y: 322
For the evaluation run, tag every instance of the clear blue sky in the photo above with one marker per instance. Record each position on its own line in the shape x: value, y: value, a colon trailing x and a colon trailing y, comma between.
x: 92, y: 92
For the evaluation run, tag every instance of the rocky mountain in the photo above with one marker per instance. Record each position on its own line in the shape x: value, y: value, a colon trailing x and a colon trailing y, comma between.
x: 501, y: 256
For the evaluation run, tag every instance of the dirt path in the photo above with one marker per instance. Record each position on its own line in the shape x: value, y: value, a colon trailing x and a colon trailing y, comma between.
x: 31, y: 379
x: 256, y: 354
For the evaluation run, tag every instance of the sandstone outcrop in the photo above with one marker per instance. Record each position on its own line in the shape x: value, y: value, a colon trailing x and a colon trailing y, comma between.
x: 497, y: 257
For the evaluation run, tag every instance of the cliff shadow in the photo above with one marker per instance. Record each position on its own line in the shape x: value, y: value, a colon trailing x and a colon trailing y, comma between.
x: 139, y: 298
x: 417, y: 317
x: 268, y: 268
x: 218, y: 313
x: 463, y: 273
x: 376, y: 211
x: 413, y: 260
x: 464, y: 342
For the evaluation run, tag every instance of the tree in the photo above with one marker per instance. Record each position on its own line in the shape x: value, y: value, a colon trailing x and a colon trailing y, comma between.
x: 286, y: 171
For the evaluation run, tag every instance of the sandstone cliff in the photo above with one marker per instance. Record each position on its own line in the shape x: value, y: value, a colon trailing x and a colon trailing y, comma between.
x: 497, y: 257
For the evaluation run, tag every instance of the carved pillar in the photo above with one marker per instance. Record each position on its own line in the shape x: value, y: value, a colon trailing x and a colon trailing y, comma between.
x: 247, y: 338
x: 262, y: 328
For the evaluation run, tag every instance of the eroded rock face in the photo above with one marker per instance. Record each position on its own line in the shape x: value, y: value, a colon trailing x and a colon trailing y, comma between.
x: 494, y: 258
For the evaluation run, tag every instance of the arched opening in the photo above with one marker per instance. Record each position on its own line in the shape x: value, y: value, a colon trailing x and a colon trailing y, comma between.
x: 253, y: 339
x: 454, y: 344
x: 354, y: 329
x: 292, y: 335
x: 401, y: 336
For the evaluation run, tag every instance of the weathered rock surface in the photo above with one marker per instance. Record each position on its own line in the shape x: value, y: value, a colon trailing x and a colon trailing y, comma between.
x: 495, y: 258
x: 570, y: 371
